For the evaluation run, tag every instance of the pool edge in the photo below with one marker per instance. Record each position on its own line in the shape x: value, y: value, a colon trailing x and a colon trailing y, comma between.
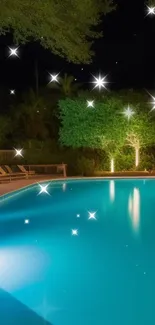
x: 73, y: 178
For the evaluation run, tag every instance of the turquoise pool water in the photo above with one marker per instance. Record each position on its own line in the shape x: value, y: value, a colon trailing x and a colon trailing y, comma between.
x: 61, y: 265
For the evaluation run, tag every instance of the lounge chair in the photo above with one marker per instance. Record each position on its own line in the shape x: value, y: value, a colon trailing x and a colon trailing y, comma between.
x: 9, y: 172
x: 4, y: 178
x: 23, y: 170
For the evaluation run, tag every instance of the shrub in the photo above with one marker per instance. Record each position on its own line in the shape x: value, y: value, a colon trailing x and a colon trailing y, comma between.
x: 147, y: 161
x: 124, y: 162
x: 85, y: 166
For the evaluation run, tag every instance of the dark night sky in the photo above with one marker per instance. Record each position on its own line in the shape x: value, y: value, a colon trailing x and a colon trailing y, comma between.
x: 128, y: 40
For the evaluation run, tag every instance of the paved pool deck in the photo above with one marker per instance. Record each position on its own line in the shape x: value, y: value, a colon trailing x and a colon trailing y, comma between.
x: 18, y: 184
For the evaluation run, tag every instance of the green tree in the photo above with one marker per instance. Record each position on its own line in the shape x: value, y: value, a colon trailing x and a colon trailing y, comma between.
x: 66, y: 27
x: 101, y: 127
x: 141, y: 132
x: 104, y: 126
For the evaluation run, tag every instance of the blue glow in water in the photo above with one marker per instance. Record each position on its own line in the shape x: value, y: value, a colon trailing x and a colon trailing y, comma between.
x: 84, y: 254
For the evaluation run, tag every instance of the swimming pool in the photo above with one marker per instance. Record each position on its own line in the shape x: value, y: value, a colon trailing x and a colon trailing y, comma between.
x: 82, y: 254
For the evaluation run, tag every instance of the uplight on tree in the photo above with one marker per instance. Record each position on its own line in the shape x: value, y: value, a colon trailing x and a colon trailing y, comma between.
x: 133, y: 141
x: 112, y: 165
x: 137, y: 157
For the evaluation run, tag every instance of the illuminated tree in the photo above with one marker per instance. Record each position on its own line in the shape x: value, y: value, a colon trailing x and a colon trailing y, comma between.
x: 141, y: 132
x: 105, y: 127
x: 140, y: 129
x: 133, y: 141
x: 102, y: 127
x: 65, y: 27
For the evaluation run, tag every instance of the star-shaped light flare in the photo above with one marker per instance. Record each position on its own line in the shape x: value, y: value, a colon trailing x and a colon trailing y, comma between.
x: 92, y: 216
x: 74, y: 232
x: 153, y: 104
x: 99, y: 82
x: 27, y: 221
x: 18, y: 152
x: 43, y: 189
x: 12, y: 92
x: 54, y: 77
x: 90, y: 103
x: 13, y: 51
x: 150, y: 10
x: 128, y: 112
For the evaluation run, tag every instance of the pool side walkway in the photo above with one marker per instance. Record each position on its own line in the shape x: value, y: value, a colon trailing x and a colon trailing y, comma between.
x: 6, y: 188
x: 18, y: 184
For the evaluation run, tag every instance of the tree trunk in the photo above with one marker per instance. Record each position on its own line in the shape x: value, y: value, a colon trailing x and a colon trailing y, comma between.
x: 136, y: 157
x: 112, y: 165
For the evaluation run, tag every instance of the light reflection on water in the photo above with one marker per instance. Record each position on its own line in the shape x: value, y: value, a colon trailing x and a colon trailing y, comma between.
x: 112, y: 190
x: 134, y: 209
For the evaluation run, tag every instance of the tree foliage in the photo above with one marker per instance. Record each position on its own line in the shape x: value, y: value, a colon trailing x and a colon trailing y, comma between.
x: 150, y: 3
x: 95, y: 128
x: 104, y: 126
x: 141, y: 131
x: 92, y: 135
x: 66, y: 27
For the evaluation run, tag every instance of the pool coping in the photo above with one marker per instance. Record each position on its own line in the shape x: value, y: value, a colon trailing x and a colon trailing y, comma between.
x: 74, y: 178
